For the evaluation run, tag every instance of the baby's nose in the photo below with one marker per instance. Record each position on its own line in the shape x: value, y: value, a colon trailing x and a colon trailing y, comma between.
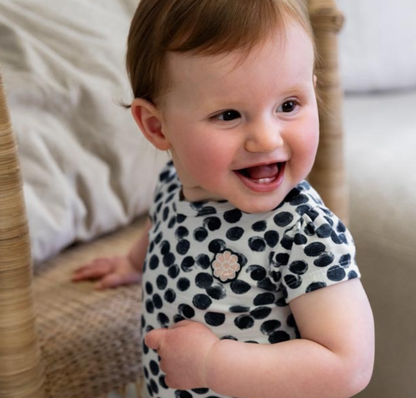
x: 263, y: 137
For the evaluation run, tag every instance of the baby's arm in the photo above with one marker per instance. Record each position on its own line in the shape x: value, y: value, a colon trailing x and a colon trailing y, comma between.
x: 333, y: 359
x: 117, y: 270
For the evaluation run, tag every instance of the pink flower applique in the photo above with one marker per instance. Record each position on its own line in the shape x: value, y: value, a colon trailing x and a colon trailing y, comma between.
x: 226, y: 266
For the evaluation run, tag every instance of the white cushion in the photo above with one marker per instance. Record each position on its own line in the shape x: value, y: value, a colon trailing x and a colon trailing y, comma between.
x: 378, y: 44
x: 87, y: 169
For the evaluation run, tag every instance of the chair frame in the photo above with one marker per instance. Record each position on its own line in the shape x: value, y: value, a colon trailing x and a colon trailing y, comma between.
x: 21, y: 366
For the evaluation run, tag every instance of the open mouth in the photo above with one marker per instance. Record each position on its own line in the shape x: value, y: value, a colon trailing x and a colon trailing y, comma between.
x: 263, y: 177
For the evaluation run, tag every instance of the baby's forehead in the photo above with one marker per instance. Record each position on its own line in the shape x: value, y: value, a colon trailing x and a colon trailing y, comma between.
x: 293, y: 36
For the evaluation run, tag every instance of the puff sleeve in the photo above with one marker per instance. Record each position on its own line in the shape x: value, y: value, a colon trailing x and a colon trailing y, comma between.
x: 322, y: 253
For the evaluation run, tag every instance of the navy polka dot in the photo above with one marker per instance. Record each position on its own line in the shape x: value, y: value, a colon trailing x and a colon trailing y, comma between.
x: 200, y: 234
x: 352, y: 275
x: 149, y: 288
x: 264, y: 299
x: 170, y: 296
x: 315, y: 286
x: 239, y: 308
x: 212, y: 223
x: 183, y: 284
x: 282, y: 258
x: 162, y: 382
x: 299, y: 200
x: 279, y: 337
x: 217, y: 246
x: 235, y: 233
x: 324, y: 259
x: 292, y: 281
x: 206, y: 211
x: 287, y: 242
x: 161, y: 282
x: 183, y: 246
x: 244, y: 322
x: 172, y: 222
x: 203, y: 280
x: 270, y: 327
x: 240, y: 287
x: 181, y: 232
x: 187, y: 264
x: 157, y: 301
x: 201, y: 301
x: 214, y: 318
x: 203, y: 261
x: 336, y: 273
x: 163, y: 320
x: 259, y: 226
x: 257, y: 272
x: 182, y: 394
x: 267, y: 284
x: 186, y: 310
x: 261, y: 312
x: 300, y: 239
x: 217, y: 292
x: 168, y: 259
x: 180, y: 218
x: 298, y: 267
x: 314, y: 249
x: 283, y: 219
x: 233, y: 216
x: 257, y: 244
x: 200, y: 391
x: 173, y: 271
x: 271, y: 238
x: 154, y: 386
x: 324, y: 231
x: 164, y: 247
x: 153, y: 262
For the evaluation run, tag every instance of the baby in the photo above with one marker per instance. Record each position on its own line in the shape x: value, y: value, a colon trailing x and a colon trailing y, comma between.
x: 250, y: 286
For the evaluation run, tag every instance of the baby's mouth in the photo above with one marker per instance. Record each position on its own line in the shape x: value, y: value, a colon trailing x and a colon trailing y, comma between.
x: 264, y: 174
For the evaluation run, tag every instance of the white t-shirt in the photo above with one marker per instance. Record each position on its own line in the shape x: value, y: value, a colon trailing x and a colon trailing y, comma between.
x: 236, y: 272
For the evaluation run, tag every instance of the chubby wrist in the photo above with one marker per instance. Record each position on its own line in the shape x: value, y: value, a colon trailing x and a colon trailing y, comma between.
x: 216, y: 364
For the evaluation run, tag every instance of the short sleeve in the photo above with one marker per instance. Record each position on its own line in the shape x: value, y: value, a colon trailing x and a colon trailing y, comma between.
x: 322, y: 254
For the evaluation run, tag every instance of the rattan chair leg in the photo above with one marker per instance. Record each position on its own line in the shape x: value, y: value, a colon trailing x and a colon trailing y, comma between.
x: 329, y: 174
x: 21, y: 373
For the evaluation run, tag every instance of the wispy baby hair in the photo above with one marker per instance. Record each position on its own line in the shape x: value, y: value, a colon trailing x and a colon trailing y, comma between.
x: 200, y: 27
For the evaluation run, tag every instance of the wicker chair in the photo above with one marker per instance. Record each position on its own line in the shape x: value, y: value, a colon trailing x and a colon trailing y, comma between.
x: 64, y: 340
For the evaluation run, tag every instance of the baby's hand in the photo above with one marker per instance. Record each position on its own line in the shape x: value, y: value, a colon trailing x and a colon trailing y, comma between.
x: 109, y: 271
x: 184, y: 349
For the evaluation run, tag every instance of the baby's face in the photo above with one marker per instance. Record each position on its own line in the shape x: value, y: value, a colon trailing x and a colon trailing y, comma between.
x: 243, y: 130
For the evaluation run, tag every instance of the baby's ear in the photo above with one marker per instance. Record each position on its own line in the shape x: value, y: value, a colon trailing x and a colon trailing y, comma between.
x: 149, y: 121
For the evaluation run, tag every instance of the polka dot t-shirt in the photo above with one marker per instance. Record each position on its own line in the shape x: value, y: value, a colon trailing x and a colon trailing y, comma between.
x: 236, y: 272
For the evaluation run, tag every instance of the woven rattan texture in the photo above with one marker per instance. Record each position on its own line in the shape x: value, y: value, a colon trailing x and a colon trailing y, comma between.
x: 90, y: 339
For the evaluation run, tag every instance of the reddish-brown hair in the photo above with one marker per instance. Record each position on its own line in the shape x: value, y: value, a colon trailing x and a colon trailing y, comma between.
x: 204, y: 27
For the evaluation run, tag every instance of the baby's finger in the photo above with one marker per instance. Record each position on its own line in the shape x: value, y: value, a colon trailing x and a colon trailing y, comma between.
x: 111, y: 280
x: 93, y: 271
x: 154, y: 338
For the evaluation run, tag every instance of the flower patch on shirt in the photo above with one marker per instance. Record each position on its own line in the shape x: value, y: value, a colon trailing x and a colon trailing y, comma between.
x: 226, y: 266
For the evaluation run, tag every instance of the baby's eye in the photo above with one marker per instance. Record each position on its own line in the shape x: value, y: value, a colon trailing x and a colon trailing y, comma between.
x: 228, y: 115
x: 288, y: 106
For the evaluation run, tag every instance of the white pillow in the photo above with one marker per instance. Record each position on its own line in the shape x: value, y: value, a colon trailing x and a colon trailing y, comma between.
x: 86, y: 167
x: 378, y: 44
